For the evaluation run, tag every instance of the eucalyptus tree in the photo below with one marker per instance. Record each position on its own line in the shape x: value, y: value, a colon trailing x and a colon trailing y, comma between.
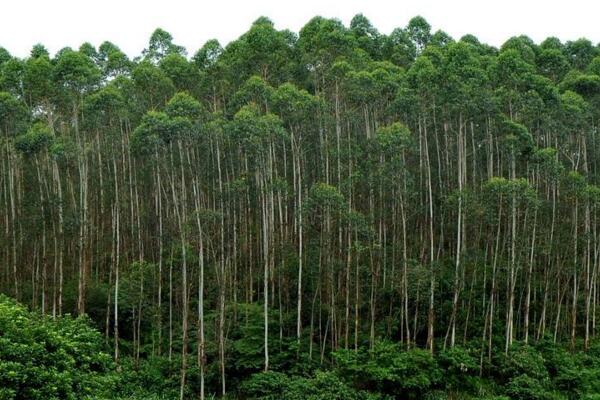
x: 325, y: 206
x: 293, y: 105
x: 150, y: 138
x: 550, y: 171
x: 183, y: 74
x: 112, y: 61
x: 574, y: 116
x: 152, y: 87
x: 161, y: 45
x: 422, y: 78
x: 580, y: 52
x: 33, y: 146
x: 212, y: 73
x: 419, y: 32
x: 261, y: 51
x: 75, y: 75
x: 553, y: 63
x: 208, y: 55
x: 367, y: 36
x: 14, y: 117
x: 463, y: 73
x: 518, y: 142
x: 592, y: 195
x: 4, y: 56
x: 12, y: 76
x: 258, y: 133
x: 321, y: 43
x: 396, y: 144
x: 184, y: 112
x: 39, y: 86
x: 399, y: 48
x: 105, y: 112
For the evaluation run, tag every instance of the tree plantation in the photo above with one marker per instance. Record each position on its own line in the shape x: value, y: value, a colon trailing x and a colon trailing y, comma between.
x: 330, y: 214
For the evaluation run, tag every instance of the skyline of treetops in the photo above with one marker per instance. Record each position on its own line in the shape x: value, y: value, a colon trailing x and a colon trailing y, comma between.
x: 291, y: 200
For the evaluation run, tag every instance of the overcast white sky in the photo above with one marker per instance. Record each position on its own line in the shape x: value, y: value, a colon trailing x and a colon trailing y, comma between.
x: 128, y: 24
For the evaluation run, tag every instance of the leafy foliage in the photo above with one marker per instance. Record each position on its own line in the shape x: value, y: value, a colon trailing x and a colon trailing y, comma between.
x: 42, y: 358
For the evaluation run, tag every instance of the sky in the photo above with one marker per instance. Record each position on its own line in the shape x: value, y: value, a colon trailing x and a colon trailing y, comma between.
x: 129, y: 23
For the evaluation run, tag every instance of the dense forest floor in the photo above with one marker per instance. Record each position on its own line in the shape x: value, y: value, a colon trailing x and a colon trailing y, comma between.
x: 66, y: 358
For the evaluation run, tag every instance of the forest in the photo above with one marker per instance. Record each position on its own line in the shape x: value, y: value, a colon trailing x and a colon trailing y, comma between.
x: 331, y: 214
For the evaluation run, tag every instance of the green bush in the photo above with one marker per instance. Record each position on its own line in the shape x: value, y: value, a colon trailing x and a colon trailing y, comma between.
x: 265, y: 385
x: 47, y: 359
x: 154, y: 376
x: 573, y: 373
x: 522, y: 360
x: 390, y: 370
x: 461, y: 369
x: 527, y: 388
x: 591, y: 397
x: 278, y: 386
